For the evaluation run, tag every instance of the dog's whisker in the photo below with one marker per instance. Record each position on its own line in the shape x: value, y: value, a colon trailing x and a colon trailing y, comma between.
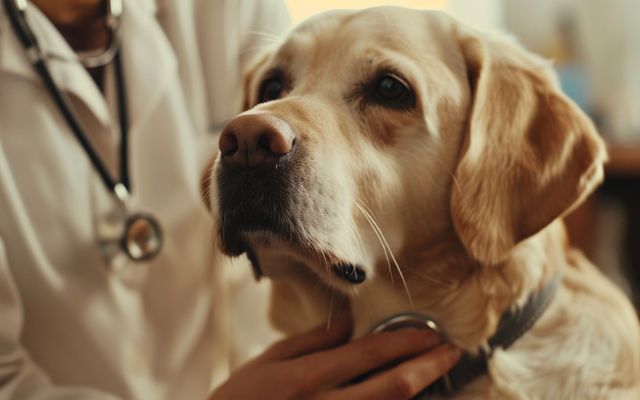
x: 358, y: 238
x: 393, y: 258
x: 384, y: 248
x: 382, y: 242
x: 323, y: 260
x: 327, y: 262
x: 215, y: 237
x: 206, y: 195
x: 205, y: 192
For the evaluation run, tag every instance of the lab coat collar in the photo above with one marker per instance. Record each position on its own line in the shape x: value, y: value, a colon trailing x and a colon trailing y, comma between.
x: 69, y: 75
x: 144, y: 85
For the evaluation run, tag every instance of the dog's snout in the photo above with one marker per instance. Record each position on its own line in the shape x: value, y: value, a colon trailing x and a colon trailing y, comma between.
x: 255, y: 140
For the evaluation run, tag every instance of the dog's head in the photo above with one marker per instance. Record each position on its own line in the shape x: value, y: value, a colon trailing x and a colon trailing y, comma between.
x: 371, y: 133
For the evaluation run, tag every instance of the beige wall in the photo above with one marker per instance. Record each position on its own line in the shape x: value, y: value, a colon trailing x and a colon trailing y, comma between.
x: 301, y: 9
x: 480, y: 13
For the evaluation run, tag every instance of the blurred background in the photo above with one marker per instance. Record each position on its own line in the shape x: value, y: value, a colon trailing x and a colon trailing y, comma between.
x: 595, y: 45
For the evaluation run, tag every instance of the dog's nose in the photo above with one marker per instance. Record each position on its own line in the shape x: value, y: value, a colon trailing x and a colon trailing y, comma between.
x: 255, y: 140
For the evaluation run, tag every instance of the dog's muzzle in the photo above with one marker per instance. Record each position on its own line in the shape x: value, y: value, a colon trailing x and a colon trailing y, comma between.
x: 259, y: 171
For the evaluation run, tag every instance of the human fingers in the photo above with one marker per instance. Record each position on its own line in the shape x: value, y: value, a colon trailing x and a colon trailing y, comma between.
x: 402, y: 382
x: 315, y: 340
x: 341, y: 364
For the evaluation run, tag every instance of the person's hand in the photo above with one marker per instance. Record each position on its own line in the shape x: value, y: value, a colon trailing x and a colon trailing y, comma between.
x: 317, y: 365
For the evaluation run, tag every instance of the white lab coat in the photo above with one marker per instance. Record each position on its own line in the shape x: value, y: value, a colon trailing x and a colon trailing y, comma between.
x: 71, y: 325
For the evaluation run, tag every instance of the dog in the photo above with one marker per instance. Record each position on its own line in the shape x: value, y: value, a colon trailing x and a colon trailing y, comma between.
x: 400, y: 161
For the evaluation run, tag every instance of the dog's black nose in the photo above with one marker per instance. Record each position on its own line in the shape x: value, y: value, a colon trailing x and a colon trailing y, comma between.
x: 255, y: 140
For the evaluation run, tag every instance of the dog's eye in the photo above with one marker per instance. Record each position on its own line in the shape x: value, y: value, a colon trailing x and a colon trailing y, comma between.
x: 270, y: 89
x: 391, y: 91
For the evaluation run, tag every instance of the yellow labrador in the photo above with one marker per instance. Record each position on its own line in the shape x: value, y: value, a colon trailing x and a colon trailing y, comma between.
x: 402, y: 162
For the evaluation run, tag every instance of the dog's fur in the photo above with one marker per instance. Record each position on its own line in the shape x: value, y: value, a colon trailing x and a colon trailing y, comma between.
x: 465, y: 190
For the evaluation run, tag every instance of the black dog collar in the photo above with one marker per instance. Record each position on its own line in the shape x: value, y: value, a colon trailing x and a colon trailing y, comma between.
x: 513, y: 324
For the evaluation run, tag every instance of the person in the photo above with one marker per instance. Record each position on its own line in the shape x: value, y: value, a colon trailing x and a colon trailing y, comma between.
x: 87, y: 314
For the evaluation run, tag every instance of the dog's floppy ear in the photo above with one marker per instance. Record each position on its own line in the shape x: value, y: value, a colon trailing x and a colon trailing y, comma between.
x: 530, y: 154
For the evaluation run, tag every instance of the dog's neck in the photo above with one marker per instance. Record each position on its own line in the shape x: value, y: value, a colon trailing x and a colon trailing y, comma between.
x: 466, y: 299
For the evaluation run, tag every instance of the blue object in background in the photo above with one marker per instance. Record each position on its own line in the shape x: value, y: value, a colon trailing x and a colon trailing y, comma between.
x: 575, y: 83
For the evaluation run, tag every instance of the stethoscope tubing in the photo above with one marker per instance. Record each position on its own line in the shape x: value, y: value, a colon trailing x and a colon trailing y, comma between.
x: 34, y: 53
x: 16, y: 10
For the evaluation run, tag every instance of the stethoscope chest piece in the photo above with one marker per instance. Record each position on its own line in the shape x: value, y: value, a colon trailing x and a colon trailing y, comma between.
x: 142, y: 237
x: 406, y: 321
x: 132, y: 236
x: 414, y: 321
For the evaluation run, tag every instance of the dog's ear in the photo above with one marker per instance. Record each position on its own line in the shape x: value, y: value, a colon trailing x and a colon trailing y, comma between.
x: 529, y: 155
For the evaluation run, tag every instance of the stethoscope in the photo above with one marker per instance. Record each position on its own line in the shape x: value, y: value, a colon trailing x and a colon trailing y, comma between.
x: 413, y: 320
x: 140, y: 236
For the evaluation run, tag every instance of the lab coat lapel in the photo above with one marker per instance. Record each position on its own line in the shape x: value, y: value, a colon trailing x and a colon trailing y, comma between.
x: 69, y: 75
x: 148, y: 64
x: 144, y: 85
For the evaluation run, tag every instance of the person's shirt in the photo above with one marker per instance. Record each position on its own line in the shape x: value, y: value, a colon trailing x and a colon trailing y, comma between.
x: 74, y: 323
